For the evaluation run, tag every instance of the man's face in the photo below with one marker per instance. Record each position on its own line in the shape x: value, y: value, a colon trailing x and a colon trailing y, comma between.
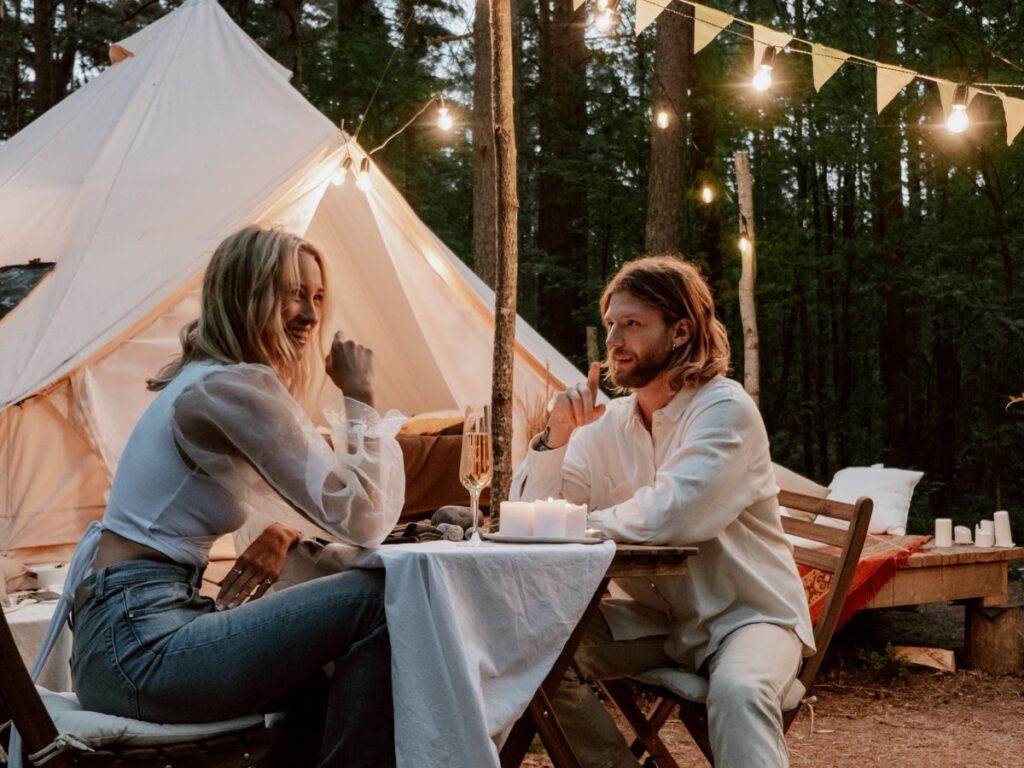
x: 639, y: 341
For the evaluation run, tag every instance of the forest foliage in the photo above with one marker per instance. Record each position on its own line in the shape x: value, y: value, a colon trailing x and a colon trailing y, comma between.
x: 890, y: 279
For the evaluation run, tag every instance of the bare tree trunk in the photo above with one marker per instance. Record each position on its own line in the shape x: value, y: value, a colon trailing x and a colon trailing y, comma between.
x: 748, y: 306
x: 44, y: 96
x: 485, y: 215
x: 288, y: 15
x: 666, y: 184
x: 507, y: 251
x: 704, y: 135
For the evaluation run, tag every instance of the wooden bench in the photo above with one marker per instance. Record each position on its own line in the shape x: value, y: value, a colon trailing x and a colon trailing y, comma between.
x: 977, y: 575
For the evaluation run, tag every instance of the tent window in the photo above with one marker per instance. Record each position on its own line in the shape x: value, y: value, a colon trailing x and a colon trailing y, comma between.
x: 18, y: 280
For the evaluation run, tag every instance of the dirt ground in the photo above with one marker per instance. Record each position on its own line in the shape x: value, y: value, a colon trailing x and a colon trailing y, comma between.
x: 874, y: 711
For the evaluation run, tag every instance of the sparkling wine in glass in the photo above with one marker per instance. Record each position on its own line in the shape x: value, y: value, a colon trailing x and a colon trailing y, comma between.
x: 476, y: 465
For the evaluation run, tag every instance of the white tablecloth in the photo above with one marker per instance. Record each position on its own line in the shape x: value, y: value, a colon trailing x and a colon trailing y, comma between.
x: 474, y: 631
x: 28, y: 625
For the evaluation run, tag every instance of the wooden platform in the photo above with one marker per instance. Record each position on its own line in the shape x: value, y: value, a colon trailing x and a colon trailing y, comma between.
x: 933, y: 575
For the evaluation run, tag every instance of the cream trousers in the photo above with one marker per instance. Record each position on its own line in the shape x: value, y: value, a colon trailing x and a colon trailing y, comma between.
x: 748, y: 676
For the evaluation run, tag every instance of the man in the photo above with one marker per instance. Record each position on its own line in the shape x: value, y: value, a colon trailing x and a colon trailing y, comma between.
x: 682, y: 460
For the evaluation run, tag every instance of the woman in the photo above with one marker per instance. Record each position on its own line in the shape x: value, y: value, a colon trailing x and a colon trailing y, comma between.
x: 226, y: 439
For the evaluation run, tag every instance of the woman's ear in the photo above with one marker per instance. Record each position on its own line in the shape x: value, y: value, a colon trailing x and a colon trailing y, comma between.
x: 682, y: 332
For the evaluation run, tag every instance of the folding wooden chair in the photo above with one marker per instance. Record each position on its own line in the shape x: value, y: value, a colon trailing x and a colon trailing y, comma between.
x: 240, y: 743
x: 839, y: 559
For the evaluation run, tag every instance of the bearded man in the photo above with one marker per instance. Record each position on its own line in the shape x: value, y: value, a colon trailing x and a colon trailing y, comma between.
x: 681, y: 460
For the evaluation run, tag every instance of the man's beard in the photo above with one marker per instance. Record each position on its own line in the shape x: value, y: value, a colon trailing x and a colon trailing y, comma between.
x: 645, y: 368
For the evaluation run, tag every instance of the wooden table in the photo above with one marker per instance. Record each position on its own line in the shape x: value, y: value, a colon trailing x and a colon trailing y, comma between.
x: 539, y: 718
x: 977, y: 575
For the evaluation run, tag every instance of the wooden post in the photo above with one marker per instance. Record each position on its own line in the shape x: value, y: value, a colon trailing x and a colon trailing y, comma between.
x: 994, y: 639
x: 593, y: 349
x: 748, y: 305
x: 507, y: 251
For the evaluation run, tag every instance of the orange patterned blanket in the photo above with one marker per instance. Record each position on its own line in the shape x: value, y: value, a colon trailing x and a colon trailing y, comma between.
x: 881, y: 558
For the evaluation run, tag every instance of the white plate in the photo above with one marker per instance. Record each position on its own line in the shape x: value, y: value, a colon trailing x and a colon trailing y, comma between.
x: 506, y: 539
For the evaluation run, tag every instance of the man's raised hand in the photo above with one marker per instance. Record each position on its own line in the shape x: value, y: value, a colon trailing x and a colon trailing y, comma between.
x: 575, y: 407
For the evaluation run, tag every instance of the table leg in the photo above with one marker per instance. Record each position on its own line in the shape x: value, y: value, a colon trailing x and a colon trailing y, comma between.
x: 539, y: 717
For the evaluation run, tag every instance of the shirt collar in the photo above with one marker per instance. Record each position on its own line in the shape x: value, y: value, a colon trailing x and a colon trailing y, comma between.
x: 677, y: 405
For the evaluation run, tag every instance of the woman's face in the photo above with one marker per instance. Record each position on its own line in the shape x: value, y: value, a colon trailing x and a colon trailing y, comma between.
x: 300, y: 307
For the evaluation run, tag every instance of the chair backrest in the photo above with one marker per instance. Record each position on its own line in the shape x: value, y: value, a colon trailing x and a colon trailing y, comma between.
x: 839, y: 559
x: 20, y: 701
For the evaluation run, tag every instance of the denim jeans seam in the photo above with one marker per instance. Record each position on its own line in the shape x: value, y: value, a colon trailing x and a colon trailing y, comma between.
x: 133, y: 702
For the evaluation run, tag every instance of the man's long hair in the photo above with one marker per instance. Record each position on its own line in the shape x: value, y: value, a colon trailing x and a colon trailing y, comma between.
x: 249, y: 276
x: 677, y: 289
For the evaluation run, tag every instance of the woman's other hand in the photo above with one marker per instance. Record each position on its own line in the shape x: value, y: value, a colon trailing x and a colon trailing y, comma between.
x: 350, y: 366
x: 258, y: 567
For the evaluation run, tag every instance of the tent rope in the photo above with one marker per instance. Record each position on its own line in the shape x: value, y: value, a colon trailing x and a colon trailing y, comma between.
x: 376, y: 90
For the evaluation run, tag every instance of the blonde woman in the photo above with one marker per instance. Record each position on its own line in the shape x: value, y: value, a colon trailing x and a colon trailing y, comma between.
x: 223, y: 441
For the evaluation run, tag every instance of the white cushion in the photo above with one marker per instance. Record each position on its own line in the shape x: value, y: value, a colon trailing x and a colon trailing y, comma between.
x: 890, y: 489
x: 692, y: 687
x: 96, y: 730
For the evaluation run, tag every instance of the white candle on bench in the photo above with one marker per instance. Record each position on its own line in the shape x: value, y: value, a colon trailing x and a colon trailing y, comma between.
x: 943, y: 532
x: 962, y: 535
x: 1004, y: 537
x: 516, y: 518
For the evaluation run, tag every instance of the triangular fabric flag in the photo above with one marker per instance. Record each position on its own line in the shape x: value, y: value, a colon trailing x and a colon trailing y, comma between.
x: 707, y: 23
x: 577, y: 3
x: 890, y: 81
x: 971, y: 93
x: 765, y: 37
x: 1014, y: 111
x: 825, y: 62
x: 947, y: 91
x: 646, y: 12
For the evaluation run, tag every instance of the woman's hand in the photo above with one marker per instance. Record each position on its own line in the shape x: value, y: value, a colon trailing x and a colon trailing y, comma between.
x: 258, y: 567
x: 575, y: 407
x: 350, y: 366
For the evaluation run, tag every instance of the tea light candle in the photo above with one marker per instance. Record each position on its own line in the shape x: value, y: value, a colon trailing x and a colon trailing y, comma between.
x: 516, y: 518
x: 549, y: 519
x: 576, y: 521
x: 962, y: 535
x: 943, y: 532
x: 984, y: 539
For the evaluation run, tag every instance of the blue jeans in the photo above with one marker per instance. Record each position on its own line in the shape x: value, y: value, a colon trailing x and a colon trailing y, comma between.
x: 148, y: 646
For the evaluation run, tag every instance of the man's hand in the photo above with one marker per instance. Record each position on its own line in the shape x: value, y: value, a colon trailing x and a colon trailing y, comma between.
x: 350, y: 366
x: 575, y: 407
x: 258, y: 567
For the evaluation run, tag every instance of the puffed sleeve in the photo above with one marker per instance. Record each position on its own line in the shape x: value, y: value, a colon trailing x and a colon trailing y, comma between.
x: 241, y: 426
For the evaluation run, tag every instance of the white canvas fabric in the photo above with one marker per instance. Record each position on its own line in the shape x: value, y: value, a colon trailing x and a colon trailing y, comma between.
x: 128, y: 185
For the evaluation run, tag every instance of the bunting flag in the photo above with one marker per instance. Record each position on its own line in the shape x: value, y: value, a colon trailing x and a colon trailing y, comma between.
x: 707, y: 23
x: 947, y: 91
x: 765, y: 37
x: 826, y: 62
x: 646, y: 12
x: 1014, y: 111
x: 890, y: 82
x: 577, y: 3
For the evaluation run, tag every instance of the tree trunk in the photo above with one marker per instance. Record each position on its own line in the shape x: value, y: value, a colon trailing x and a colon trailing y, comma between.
x: 748, y: 276
x: 288, y: 18
x: 414, y: 48
x: 484, y: 200
x: 45, y: 95
x: 507, y: 251
x: 665, y: 183
x: 562, y: 194
x: 704, y: 133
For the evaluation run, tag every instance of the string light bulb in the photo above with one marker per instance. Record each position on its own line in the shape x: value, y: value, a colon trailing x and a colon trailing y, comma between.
x: 745, y: 245
x: 763, y: 76
x: 707, y: 194
x: 341, y: 172
x: 444, y: 120
x: 602, y: 4
x: 662, y: 119
x: 363, y: 179
x: 958, y: 120
x: 605, y: 20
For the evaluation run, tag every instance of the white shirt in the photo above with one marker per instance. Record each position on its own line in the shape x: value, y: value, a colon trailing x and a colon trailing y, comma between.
x: 702, y: 476
x: 225, y: 443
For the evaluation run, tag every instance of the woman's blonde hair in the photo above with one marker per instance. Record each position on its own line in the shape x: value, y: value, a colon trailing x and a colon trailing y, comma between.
x: 249, y: 276
x: 677, y: 289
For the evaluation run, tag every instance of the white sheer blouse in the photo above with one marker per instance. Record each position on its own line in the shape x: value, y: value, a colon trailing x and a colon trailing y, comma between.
x: 223, y: 446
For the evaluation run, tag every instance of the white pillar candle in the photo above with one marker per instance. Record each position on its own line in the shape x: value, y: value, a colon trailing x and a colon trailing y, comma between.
x: 549, y: 519
x: 516, y: 518
x: 962, y: 535
x: 943, y: 532
x: 987, y: 526
x: 1004, y: 537
x: 576, y: 521
x: 984, y: 539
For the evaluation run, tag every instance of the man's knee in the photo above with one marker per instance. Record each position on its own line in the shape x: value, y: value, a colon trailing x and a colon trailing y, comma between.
x: 730, y: 691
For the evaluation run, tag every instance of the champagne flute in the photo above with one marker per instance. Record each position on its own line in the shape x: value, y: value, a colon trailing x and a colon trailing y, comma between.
x: 476, y: 465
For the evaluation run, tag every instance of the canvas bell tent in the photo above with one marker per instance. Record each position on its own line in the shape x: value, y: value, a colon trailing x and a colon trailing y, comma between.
x: 126, y: 187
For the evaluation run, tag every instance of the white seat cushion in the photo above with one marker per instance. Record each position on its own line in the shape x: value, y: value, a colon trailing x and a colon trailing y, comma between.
x: 687, y: 685
x: 97, y: 730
